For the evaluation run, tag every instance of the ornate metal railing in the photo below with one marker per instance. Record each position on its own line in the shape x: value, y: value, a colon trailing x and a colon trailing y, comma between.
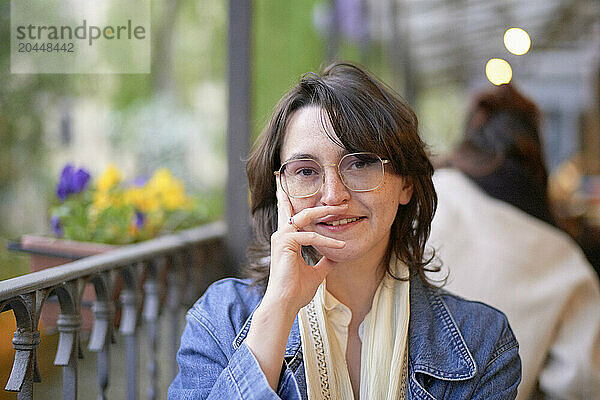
x: 166, y: 274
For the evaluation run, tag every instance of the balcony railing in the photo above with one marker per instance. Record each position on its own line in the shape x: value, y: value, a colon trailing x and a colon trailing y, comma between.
x: 159, y: 276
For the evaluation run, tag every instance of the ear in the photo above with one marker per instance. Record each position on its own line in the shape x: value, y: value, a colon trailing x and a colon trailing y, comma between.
x: 406, y: 190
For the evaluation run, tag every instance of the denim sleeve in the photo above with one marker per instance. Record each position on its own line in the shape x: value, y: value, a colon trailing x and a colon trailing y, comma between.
x: 502, y: 374
x: 211, y: 369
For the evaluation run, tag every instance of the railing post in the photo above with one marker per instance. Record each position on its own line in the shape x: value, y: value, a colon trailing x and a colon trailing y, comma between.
x: 174, y: 289
x: 24, y: 369
x: 25, y: 342
x: 150, y: 314
x: 69, y: 324
x: 102, y: 332
x: 128, y: 330
x: 100, y: 342
x: 68, y: 352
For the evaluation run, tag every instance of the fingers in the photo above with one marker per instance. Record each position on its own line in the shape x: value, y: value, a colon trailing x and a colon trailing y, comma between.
x: 308, y: 215
x: 295, y: 240
x: 284, y: 207
x: 314, y: 239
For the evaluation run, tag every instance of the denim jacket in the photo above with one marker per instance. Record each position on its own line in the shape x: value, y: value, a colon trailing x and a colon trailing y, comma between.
x: 458, y: 349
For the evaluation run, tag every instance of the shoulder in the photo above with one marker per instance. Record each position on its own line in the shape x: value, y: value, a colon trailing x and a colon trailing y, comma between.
x: 228, y: 296
x: 458, y: 339
x: 485, y: 329
x: 455, y: 310
x: 490, y: 343
x: 489, y: 340
x: 227, y: 303
x: 469, y: 312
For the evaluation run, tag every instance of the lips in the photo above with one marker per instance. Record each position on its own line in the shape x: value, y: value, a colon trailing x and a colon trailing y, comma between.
x: 337, y: 220
x: 341, y: 221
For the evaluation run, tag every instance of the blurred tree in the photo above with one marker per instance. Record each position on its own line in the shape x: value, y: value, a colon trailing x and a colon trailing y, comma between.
x: 285, y: 46
x: 23, y: 101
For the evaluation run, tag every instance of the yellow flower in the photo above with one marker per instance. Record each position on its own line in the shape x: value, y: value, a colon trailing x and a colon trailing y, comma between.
x: 142, y: 199
x: 168, y: 189
x: 109, y: 178
x: 174, y: 198
x: 101, y: 202
x: 133, y: 196
x: 161, y: 179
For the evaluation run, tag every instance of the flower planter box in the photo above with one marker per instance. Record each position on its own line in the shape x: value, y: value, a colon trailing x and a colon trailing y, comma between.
x: 46, y: 252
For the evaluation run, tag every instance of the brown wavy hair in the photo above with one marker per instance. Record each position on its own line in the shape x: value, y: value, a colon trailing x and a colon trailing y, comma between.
x: 366, y: 115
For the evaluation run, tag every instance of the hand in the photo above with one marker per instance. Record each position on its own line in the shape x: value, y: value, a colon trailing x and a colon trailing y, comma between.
x: 292, y: 282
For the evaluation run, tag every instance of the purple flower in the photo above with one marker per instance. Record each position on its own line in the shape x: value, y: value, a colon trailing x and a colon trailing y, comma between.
x: 56, y: 226
x: 352, y: 19
x: 71, y: 181
x: 140, y: 181
x: 64, y: 183
x: 80, y: 180
x: 140, y: 218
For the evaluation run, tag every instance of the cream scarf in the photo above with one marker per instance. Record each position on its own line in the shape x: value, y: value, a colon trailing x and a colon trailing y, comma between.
x: 383, y: 371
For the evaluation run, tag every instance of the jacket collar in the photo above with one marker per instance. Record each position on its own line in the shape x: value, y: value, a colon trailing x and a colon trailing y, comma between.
x: 436, y: 345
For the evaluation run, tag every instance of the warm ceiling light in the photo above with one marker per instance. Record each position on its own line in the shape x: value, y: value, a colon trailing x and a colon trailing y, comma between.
x: 498, y: 71
x: 517, y: 41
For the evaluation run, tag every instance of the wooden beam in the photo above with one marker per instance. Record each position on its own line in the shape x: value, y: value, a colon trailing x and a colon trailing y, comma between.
x: 237, y: 214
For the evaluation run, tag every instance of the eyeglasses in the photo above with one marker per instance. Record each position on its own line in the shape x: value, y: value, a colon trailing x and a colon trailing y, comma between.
x: 359, y: 172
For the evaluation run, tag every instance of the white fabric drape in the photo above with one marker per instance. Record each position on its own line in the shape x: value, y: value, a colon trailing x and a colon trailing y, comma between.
x: 534, y: 273
x: 384, y: 343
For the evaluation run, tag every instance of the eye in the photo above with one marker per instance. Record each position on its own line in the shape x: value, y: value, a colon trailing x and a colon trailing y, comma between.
x: 305, y: 172
x: 357, y: 164
x: 302, y: 169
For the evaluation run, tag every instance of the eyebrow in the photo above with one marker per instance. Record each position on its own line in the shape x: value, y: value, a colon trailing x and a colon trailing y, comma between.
x: 299, y: 156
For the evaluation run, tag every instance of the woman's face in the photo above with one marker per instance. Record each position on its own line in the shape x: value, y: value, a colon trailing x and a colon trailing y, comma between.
x: 367, y: 237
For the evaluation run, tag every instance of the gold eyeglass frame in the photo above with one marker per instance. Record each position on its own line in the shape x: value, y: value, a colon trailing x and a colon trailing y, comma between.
x: 337, y: 167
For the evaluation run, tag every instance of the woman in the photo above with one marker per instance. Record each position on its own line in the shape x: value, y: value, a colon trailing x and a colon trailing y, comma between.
x: 338, y: 306
x: 502, y: 151
x: 509, y: 253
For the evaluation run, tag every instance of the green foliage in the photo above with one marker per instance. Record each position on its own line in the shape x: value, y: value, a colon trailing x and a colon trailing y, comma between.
x: 22, y: 102
x: 12, y: 264
x: 206, y: 207
x: 200, y: 45
x: 285, y: 47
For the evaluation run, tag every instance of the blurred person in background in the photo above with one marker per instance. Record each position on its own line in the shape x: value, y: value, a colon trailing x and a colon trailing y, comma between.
x: 502, y: 153
x: 496, y: 236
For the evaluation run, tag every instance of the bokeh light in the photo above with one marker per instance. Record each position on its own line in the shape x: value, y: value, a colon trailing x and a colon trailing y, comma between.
x: 517, y: 41
x: 498, y: 71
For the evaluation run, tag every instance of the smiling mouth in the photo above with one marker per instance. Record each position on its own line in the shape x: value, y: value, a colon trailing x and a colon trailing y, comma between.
x: 341, y: 221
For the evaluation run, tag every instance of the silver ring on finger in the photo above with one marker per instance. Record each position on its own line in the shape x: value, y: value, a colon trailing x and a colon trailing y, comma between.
x: 292, y: 223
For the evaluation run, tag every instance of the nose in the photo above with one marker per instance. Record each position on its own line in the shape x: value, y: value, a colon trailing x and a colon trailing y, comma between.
x: 333, y: 191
